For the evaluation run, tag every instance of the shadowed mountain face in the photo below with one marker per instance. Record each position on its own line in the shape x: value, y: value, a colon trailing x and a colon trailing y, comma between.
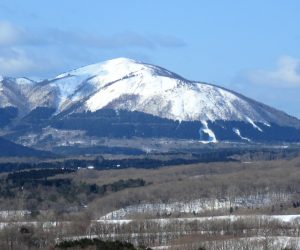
x: 124, y: 98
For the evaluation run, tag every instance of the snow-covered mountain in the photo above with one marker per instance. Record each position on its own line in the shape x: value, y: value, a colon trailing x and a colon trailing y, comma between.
x: 26, y: 95
x: 127, y: 85
x: 134, y: 86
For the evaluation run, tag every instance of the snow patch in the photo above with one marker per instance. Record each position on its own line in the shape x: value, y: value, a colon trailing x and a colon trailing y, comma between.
x: 267, y: 124
x: 237, y: 131
x: 254, y: 125
x: 198, y: 206
x: 24, y: 81
x: 205, y: 129
x: 232, y: 218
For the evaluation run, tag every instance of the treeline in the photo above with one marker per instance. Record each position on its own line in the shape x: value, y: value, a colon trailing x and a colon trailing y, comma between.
x: 99, y: 244
x: 116, y: 186
x: 40, y: 177
x: 96, y: 150
x: 148, y: 161
x: 38, y: 192
x: 107, y: 164
x: 203, y: 234
x: 68, y: 164
x: 36, y: 174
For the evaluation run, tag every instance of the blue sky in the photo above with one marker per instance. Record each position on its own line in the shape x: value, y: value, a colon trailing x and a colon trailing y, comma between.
x: 249, y: 46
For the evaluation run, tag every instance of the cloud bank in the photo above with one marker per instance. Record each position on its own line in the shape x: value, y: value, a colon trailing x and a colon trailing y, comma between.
x: 38, y: 52
x: 287, y: 74
x: 9, y: 34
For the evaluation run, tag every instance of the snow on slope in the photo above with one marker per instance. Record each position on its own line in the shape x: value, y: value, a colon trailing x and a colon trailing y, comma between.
x: 237, y: 131
x: 254, y: 125
x: 26, y: 94
x: 211, y: 135
x: 167, y: 97
x: 134, y: 86
x: 13, y: 93
x: 198, y: 206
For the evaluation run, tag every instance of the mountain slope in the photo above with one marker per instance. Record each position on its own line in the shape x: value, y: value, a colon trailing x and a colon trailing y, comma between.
x: 26, y: 95
x: 126, y: 98
x: 134, y: 86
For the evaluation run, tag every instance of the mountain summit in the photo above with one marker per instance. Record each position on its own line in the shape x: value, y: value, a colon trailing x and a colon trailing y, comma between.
x: 134, y: 87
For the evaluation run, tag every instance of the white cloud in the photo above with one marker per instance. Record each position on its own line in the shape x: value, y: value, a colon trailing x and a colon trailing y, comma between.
x: 37, y: 52
x: 101, y: 41
x: 287, y: 74
x: 15, y: 61
x: 9, y: 34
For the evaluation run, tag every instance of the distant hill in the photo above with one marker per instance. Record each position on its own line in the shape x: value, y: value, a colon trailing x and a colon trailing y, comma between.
x: 10, y: 149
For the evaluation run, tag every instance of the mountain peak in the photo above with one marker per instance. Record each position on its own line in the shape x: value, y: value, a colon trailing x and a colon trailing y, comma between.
x: 122, y: 64
x: 118, y: 68
x: 123, y: 60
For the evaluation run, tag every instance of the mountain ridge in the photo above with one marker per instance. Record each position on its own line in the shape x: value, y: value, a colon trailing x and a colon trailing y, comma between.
x: 132, y: 86
x: 74, y: 85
